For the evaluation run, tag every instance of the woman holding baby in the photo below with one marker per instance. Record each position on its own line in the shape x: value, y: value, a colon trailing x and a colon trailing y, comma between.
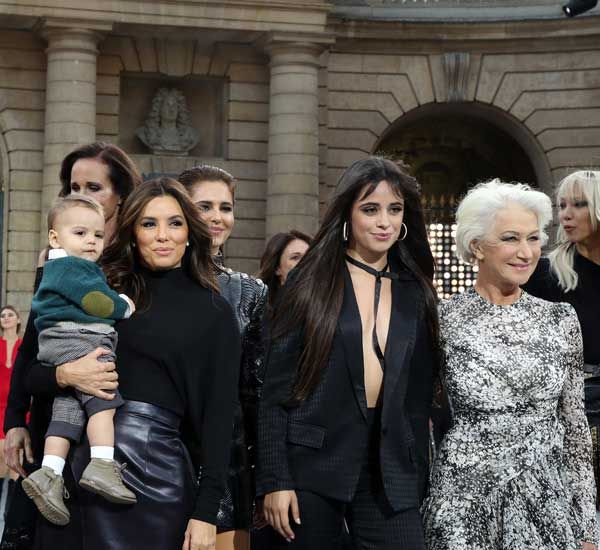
x: 159, y: 257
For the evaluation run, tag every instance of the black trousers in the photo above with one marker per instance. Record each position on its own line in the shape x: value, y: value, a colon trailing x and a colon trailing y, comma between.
x: 373, y: 525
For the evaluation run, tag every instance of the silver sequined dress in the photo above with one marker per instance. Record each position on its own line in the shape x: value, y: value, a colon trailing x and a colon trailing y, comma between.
x: 514, y: 471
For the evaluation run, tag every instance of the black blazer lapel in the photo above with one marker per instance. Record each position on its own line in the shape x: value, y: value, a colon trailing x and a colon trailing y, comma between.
x: 406, y: 300
x: 350, y: 328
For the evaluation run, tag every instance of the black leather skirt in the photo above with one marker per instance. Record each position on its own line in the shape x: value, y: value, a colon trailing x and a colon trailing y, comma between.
x: 159, y: 471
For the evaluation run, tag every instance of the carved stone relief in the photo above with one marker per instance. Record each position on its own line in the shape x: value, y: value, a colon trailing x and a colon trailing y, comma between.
x: 168, y: 129
x: 456, y: 71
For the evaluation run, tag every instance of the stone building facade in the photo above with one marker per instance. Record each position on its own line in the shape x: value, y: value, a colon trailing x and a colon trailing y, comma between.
x: 286, y: 94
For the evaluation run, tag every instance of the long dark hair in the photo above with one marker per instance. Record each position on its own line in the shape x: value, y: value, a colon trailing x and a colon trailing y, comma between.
x: 271, y: 258
x: 122, y: 172
x: 314, y: 300
x: 121, y: 260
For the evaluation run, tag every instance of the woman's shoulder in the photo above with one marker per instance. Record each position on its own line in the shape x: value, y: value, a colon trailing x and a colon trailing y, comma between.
x: 455, y: 302
x: 549, y: 310
x: 251, y: 289
x: 251, y: 284
x: 178, y: 283
x: 248, y: 280
x: 563, y: 311
x: 215, y: 308
x: 564, y: 318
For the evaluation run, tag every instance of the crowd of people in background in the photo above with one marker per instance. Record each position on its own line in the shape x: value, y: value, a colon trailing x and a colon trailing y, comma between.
x: 181, y: 404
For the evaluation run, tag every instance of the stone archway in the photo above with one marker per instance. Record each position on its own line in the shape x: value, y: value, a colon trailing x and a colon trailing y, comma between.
x: 451, y: 147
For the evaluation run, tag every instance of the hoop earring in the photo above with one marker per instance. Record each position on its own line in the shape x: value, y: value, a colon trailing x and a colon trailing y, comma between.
x: 405, y: 232
x: 345, y: 232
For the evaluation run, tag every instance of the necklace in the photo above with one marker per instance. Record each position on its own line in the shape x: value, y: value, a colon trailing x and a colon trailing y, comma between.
x: 378, y: 276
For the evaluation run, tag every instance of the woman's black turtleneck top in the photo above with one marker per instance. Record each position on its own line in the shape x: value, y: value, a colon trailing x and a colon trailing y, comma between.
x: 181, y: 353
x: 585, y: 298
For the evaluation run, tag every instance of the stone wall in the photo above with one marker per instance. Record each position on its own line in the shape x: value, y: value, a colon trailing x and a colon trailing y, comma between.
x: 553, y: 95
x: 556, y: 95
x: 22, y: 102
x: 367, y: 93
x: 247, y: 106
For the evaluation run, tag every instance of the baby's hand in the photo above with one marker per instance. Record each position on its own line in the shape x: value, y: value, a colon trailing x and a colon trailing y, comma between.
x: 131, y: 309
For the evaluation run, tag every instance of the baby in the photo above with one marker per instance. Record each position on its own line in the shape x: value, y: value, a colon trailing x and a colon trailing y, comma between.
x: 75, y: 313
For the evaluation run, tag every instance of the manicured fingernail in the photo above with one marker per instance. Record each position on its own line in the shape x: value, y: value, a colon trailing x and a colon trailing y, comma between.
x: 297, y: 520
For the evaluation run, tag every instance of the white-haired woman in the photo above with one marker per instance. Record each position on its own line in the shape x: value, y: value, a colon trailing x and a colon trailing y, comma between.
x: 514, y: 470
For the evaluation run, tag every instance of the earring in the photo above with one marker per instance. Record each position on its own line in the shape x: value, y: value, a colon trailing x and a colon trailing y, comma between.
x: 132, y: 244
x: 187, y: 244
x: 345, y: 232
x: 405, y: 232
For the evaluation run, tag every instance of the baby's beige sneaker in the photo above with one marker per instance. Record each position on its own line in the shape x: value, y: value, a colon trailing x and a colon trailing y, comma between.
x: 103, y: 477
x: 47, y: 489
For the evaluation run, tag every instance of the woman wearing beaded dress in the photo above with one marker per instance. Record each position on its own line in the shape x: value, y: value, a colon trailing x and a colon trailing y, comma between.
x: 514, y: 470
x: 212, y: 190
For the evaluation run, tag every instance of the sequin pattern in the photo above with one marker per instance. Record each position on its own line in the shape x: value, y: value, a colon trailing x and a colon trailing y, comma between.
x: 514, y: 471
x: 248, y: 298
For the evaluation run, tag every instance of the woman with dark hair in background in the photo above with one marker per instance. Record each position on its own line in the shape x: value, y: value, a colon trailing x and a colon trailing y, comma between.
x: 212, y: 189
x: 343, y: 421
x: 282, y: 254
x: 104, y: 172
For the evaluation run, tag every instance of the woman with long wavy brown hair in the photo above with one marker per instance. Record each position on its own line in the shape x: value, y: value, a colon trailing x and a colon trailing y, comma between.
x: 343, y: 422
x: 178, y: 358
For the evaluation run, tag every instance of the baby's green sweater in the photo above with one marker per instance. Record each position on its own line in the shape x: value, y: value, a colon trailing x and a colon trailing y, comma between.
x: 74, y: 289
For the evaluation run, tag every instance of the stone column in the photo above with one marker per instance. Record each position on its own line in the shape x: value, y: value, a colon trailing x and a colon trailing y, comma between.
x: 70, y: 117
x: 293, y: 169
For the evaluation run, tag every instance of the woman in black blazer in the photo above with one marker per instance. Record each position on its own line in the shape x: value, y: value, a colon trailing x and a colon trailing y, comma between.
x: 343, y: 422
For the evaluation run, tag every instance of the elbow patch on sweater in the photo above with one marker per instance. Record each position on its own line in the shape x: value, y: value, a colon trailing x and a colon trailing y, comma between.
x: 97, y: 304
